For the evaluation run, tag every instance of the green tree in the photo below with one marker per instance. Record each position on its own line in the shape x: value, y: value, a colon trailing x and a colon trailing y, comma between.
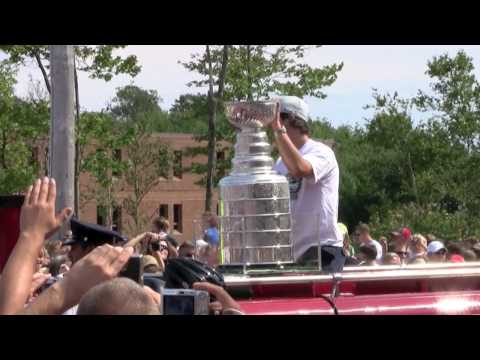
x: 455, y: 103
x: 131, y: 102
x: 101, y: 139
x: 435, y: 162
x: 147, y: 160
x: 188, y: 114
x: 256, y: 72
x: 23, y: 123
x: 97, y: 60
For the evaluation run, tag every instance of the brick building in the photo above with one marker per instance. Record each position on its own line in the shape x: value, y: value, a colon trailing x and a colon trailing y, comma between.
x: 175, y: 197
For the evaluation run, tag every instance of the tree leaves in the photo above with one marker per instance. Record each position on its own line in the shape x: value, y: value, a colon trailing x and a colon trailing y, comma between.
x: 22, y: 124
x: 99, y: 61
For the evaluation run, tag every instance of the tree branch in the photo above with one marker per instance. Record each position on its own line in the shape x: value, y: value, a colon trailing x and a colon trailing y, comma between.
x: 223, y: 71
x: 77, y: 145
x: 42, y: 68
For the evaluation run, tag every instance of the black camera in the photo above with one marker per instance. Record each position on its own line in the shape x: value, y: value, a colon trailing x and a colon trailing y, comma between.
x: 185, y: 302
x: 155, y: 246
x: 134, y: 269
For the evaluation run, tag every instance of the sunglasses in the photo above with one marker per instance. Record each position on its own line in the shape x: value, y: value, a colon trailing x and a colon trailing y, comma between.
x: 159, y: 247
x: 163, y: 247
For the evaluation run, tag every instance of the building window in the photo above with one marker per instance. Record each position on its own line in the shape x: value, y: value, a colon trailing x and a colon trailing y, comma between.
x: 163, y: 210
x: 177, y: 217
x: 117, y: 156
x: 101, y: 215
x: 117, y: 219
x: 164, y: 163
x: 220, y: 155
x: 177, y: 164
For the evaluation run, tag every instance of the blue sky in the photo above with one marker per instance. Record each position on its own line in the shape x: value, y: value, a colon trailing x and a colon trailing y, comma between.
x: 385, y: 67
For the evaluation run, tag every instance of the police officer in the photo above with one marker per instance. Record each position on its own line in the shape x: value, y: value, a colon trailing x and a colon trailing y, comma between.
x: 85, y: 238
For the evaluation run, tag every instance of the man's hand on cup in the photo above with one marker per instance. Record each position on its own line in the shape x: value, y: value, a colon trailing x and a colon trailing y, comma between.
x: 276, y: 124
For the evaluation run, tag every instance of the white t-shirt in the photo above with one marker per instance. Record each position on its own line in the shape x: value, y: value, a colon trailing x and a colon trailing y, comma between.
x: 314, y: 200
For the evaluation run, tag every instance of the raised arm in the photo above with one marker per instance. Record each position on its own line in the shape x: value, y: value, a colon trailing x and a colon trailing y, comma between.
x: 102, y: 264
x: 297, y: 166
x: 37, y: 222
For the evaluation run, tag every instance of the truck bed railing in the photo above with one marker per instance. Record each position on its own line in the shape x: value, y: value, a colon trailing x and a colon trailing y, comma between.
x: 359, y: 274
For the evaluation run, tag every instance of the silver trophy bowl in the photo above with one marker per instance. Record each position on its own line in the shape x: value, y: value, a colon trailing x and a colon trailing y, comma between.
x: 254, y: 199
x: 250, y: 114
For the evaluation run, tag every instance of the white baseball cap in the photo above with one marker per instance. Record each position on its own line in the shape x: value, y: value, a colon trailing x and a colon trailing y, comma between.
x: 293, y: 105
x: 201, y: 243
x: 434, y: 247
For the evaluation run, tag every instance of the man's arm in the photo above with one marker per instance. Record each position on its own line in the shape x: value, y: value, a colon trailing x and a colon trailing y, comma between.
x: 137, y: 239
x: 16, y: 281
x: 297, y: 166
x: 37, y: 222
x: 50, y: 302
x: 102, y: 264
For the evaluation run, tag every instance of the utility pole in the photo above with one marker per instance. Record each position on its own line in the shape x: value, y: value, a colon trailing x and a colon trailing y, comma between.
x: 62, y: 129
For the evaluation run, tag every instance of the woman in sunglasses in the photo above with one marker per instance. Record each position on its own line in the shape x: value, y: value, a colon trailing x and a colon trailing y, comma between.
x: 160, y: 250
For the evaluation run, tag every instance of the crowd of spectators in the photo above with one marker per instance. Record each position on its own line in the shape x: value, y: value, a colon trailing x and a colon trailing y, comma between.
x: 404, y: 247
x: 80, y: 274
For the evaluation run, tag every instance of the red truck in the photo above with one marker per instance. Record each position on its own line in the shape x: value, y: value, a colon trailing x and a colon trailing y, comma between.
x: 435, y: 289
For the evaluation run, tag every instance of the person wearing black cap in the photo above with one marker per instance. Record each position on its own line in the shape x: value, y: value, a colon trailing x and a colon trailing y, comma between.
x: 86, y: 237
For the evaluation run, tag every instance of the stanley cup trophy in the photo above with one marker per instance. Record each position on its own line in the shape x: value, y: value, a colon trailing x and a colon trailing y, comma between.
x: 255, y: 199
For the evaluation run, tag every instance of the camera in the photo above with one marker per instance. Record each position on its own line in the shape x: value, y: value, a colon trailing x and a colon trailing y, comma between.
x: 155, y: 246
x: 134, y: 269
x: 185, y: 302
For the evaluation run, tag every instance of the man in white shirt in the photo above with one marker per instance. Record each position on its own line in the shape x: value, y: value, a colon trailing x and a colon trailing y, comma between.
x: 312, y: 171
x: 363, y: 234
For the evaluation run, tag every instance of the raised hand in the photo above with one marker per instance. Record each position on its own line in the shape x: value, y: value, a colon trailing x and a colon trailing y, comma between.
x: 38, y: 211
x: 38, y: 221
x: 102, y: 264
x: 276, y: 123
